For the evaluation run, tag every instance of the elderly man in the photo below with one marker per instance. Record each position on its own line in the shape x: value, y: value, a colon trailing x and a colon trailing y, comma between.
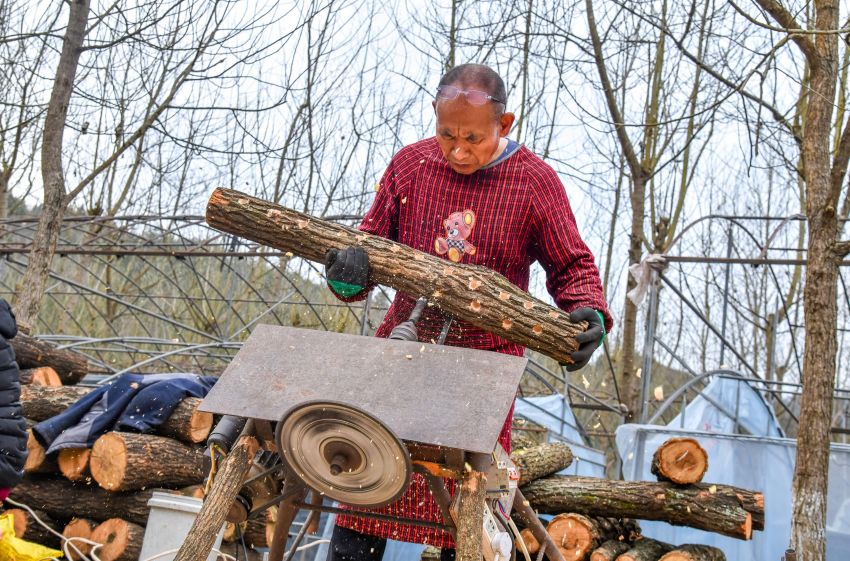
x: 472, y: 195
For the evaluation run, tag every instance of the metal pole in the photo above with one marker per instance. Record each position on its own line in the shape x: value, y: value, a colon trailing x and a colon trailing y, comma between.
x: 364, y: 323
x: 725, y: 293
x: 648, y: 344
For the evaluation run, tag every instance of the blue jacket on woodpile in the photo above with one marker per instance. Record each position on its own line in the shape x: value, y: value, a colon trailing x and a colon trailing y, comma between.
x: 13, y: 428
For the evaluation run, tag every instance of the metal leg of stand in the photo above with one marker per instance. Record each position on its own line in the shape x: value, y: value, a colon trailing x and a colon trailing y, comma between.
x: 443, y: 500
x: 285, y: 516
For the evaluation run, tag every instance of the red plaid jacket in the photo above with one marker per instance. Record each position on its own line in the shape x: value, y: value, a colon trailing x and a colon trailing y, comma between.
x: 503, y: 217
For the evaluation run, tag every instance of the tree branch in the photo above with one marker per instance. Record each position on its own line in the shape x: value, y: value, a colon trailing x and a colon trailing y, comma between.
x: 784, y: 18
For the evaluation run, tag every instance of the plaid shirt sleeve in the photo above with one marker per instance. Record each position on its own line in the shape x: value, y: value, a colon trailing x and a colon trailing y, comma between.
x: 572, y: 277
x: 381, y: 220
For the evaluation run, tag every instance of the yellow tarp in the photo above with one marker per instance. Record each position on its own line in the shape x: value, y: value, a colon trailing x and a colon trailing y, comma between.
x: 15, y: 549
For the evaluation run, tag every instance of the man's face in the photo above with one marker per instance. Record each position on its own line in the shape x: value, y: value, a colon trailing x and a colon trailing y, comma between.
x: 468, y: 134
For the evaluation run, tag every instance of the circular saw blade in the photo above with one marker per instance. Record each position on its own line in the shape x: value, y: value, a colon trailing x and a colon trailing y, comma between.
x: 344, y: 453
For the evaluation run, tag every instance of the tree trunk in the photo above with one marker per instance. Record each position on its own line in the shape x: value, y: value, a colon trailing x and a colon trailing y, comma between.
x: 43, y: 376
x: 685, y: 506
x: 610, y: 550
x: 540, y: 461
x: 577, y: 535
x: 29, y: 529
x: 468, y: 292
x: 54, y: 203
x: 680, y: 460
x: 74, y: 463
x: 70, y: 365
x: 645, y: 549
x: 692, y: 552
x: 122, y: 540
x: 37, y: 460
x: 79, y: 528
x: 61, y: 498
x: 123, y: 461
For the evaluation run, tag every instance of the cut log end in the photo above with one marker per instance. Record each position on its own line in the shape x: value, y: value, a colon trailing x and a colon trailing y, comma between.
x: 531, y: 543
x: 747, y: 527
x: 19, y: 520
x: 121, y: 540
x: 74, y: 463
x: 609, y: 551
x: 680, y: 460
x: 200, y: 425
x: 79, y: 528
x: 108, y: 461
x: 573, y: 534
x: 37, y: 461
x: 41, y: 376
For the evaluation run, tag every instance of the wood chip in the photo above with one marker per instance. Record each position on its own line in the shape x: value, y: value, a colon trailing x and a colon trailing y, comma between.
x: 504, y: 295
x: 273, y: 213
x: 474, y: 283
x: 303, y: 223
x: 475, y: 305
x: 507, y: 323
x: 448, y: 271
x: 554, y: 315
x: 537, y: 329
x: 242, y: 202
x: 528, y: 305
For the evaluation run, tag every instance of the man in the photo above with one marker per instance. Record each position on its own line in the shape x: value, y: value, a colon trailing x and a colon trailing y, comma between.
x: 473, y: 196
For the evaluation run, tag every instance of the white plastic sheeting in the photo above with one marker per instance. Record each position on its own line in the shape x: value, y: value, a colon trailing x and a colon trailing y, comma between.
x: 724, y: 400
x: 759, y: 463
x: 554, y: 413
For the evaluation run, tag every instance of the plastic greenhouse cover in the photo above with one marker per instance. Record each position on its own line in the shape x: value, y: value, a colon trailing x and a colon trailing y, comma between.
x: 758, y: 463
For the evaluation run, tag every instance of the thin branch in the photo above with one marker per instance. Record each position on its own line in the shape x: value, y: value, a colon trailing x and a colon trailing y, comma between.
x: 784, y: 18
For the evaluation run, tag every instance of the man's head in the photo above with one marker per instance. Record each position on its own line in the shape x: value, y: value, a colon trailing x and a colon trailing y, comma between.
x: 471, y: 117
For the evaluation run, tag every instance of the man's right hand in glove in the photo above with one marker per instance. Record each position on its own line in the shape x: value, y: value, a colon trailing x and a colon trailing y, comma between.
x: 347, y: 270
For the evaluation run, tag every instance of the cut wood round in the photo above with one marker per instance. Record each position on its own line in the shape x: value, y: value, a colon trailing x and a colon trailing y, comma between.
x: 74, y: 463
x: 42, y: 376
x: 645, y: 549
x: 574, y: 534
x: 37, y: 460
x: 30, y: 529
x: 122, y: 461
x: 79, y: 528
x: 685, y: 506
x: 542, y: 460
x: 63, y: 499
x: 610, y: 550
x: 42, y: 402
x: 256, y: 534
x: 471, y: 293
x: 122, y: 540
x: 186, y: 423
x: 680, y: 460
x: 71, y: 366
x: 531, y: 543
x: 694, y: 552
x: 231, y: 533
x: 194, y: 491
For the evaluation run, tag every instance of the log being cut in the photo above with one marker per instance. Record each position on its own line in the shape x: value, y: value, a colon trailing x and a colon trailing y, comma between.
x: 467, y: 292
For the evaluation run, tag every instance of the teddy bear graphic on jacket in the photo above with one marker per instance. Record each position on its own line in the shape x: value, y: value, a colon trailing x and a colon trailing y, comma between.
x: 458, y: 228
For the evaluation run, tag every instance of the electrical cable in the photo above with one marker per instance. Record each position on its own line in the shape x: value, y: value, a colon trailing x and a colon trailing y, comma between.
x: 511, y: 526
x: 64, y: 539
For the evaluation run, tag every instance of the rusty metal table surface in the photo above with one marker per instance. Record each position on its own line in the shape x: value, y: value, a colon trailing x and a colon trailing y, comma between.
x: 434, y: 394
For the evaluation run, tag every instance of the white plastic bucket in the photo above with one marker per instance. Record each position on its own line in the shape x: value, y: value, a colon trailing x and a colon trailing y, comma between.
x: 169, y: 522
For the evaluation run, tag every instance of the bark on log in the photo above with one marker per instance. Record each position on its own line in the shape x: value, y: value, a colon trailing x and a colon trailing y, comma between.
x: 680, y: 460
x: 225, y: 486
x: 646, y: 549
x: 684, y: 506
x: 256, y: 534
x: 694, y: 552
x: 531, y: 543
x: 470, y: 516
x: 577, y: 535
x: 123, y: 461
x: 71, y: 366
x: 74, y: 463
x: 610, y: 550
x: 37, y: 460
x: 540, y: 461
x: 42, y: 376
x: 122, y: 540
x: 468, y: 292
x: 28, y: 528
x: 751, y: 501
x: 185, y: 423
x: 79, y: 528
x: 61, y: 498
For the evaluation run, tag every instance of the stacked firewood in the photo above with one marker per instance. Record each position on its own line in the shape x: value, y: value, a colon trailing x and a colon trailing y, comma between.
x: 594, y: 518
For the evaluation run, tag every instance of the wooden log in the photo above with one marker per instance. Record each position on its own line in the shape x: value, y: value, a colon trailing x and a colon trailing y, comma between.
x: 63, y: 499
x: 30, y: 352
x: 123, y: 461
x: 79, y: 528
x: 471, y: 293
x: 41, y: 376
x: 751, y: 501
x: 531, y: 543
x: 610, y: 550
x: 577, y: 535
x: 231, y: 532
x: 185, y: 423
x: 470, y: 516
x: 684, y: 506
x: 225, y: 486
x: 122, y: 540
x: 694, y: 552
x: 542, y: 460
x: 645, y: 549
x: 37, y: 460
x: 74, y: 463
x: 256, y: 533
x: 28, y: 528
x: 680, y: 460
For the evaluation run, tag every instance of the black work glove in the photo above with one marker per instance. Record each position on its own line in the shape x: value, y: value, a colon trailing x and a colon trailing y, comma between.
x: 8, y: 326
x: 589, y: 339
x: 347, y: 270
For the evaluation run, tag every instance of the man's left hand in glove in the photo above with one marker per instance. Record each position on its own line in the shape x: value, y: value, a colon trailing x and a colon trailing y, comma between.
x: 589, y: 339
